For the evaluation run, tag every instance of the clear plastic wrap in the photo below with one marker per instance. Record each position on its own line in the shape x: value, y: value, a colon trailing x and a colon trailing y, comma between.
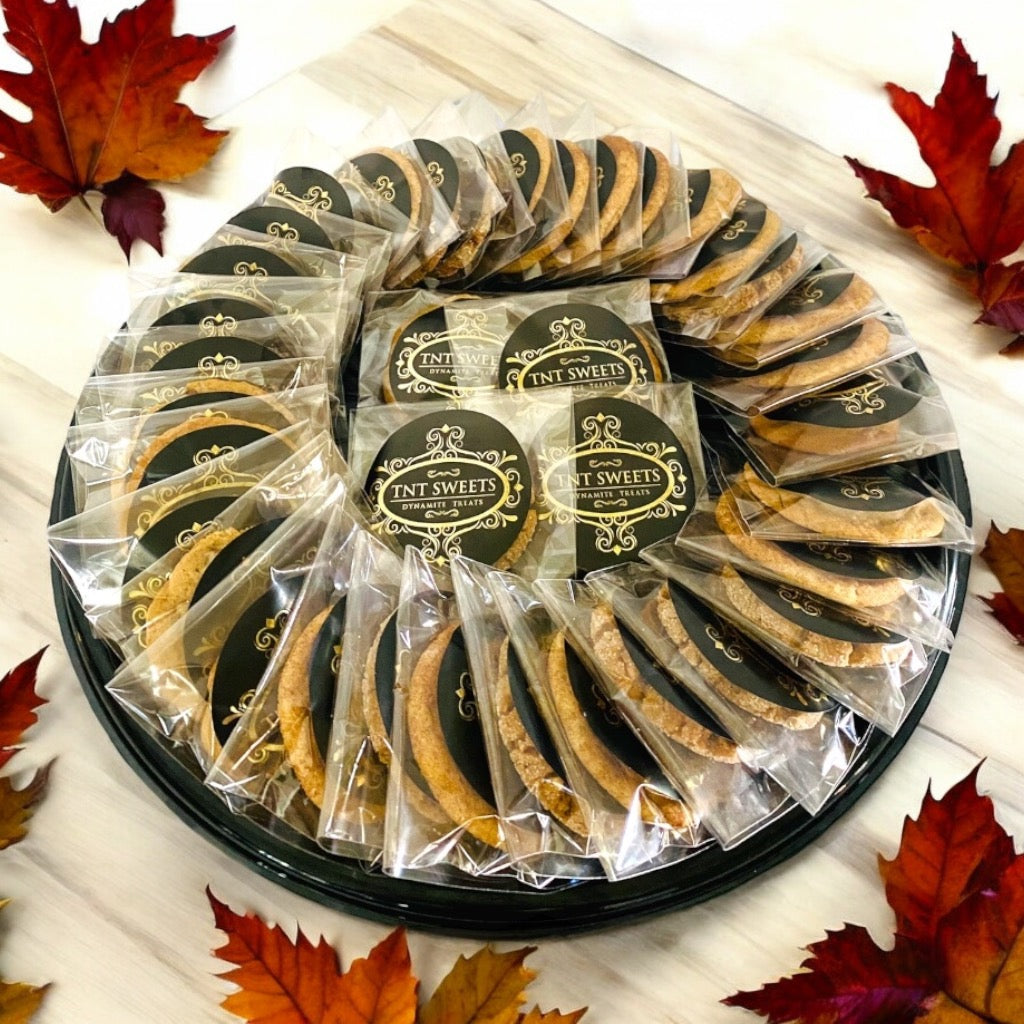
x: 634, y: 818
x: 696, y: 753
x: 784, y: 726
x: 441, y: 820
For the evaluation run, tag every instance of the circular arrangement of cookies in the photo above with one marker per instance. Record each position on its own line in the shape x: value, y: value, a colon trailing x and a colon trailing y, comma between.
x: 513, y: 505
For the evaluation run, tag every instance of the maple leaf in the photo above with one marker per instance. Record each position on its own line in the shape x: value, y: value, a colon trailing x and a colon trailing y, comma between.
x: 19, y: 1002
x: 954, y: 848
x: 973, y: 216
x: 104, y: 114
x: 551, y: 1017
x: 1004, y: 555
x: 379, y: 989
x: 18, y: 703
x: 486, y: 988
x: 17, y: 805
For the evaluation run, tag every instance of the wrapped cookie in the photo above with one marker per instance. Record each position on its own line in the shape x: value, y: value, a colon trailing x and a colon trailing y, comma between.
x: 889, y: 414
x: 870, y: 670
x: 355, y: 792
x: 697, y: 754
x: 441, y: 821
x: 275, y: 755
x: 544, y: 828
x: 896, y: 505
x: 101, y: 551
x: 117, y: 457
x: 465, y: 479
x: 634, y: 818
x: 194, y: 683
x: 900, y: 591
x: 784, y: 726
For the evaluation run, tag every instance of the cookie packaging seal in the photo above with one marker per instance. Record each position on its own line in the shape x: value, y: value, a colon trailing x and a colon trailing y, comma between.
x: 101, y: 551
x: 693, y: 748
x: 890, y: 414
x: 804, y: 740
x: 355, y: 794
x: 901, y: 592
x: 194, y: 683
x: 118, y: 457
x: 543, y: 827
x: 890, y: 506
x: 275, y: 755
x: 465, y: 480
x: 634, y: 819
x: 871, y: 670
x: 441, y: 819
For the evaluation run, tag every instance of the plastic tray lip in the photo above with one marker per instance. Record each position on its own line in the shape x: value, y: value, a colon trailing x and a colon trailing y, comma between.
x: 475, y: 913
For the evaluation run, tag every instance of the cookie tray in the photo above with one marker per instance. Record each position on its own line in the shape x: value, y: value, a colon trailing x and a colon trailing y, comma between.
x: 513, y: 911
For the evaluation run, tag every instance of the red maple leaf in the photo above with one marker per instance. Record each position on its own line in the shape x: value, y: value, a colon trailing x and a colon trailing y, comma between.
x: 105, y: 115
x: 973, y: 216
x: 18, y: 703
x: 1004, y: 555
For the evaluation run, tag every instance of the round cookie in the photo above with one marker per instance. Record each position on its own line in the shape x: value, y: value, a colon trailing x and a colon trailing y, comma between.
x: 529, y: 745
x: 850, y: 576
x: 727, y: 661
x: 799, y: 621
x: 606, y: 746
x: 212, y: 314
x: 219, y: 352
x: 870, y: 507
x: 313, y: 191
x: 204, y: 390
x: 713, y: 194
x: 666, y: 705
x: 286, y: 225
x: 529, y: 152
x: 240, y: 261
x: 655, y: 186
x: 857, y: 416
x: 446, y: 737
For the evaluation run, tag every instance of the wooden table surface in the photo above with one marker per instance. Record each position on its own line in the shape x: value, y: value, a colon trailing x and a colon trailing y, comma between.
x: 108, y: 890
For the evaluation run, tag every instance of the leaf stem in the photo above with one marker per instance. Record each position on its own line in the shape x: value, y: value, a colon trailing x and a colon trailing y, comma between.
x: 85, y: 202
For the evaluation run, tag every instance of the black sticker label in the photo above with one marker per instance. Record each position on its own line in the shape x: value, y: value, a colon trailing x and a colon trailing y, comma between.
x: 650, y: 176
x: 850, y: 561
x: 873, y: 490
x: 526, y: 163
x: 286, y: 225
x: 812, y: 294
x: 232, y: 555
x: 808, y: 612
x: 199, y: 446
x: 441, y: 168
x: 239, y: 261
x: 776, y: 258
x: 313, y: 190
x: 387, y: 179
x: 574, y: 343
x: 728, y: 650
x: 217, y: 355
x: 607, y: 171
x: 211, y: 315
x: 625, y: 483
x: 529, y: 715
x: 698, y: 184
x: 746, y: 224
x: 828, y: 347
x: 246, y: 651
x: 567, y: 164
x: 323, y: 677
x: 444, y: 355
x: 384, y: 673
x: 452, y: 482
x: 864, y: 402
x: 460, y: 717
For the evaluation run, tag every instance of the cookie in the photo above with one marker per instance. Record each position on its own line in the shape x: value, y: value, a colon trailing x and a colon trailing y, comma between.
x: 283, y: 224
x: 712, y: 194
x: 732, y: 252
x: 663, y: 703
x: 446, y: 737
x: 207, y: 390
x: 577, y: 343
x: 858, y: 416
x: 605, y: 745
x: 627, y: 482
x: 529, y: 153
x: 218, y: 353
x: 311, y: 191
x: 729, y: 663
x: 305, y: 698
x: 857, y: 577
x: 655, y: 186
x: 871, y: 507
x: 454, y: 482
x: 803, y: 624
x: 212, y: 315
x: 529, y: 745
x: 240, y: 261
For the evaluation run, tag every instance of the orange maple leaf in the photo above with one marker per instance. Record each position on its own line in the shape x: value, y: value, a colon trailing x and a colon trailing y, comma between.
x: 104, y: 115
x: 1004, y: 554
x: 486, y: 987
x: 17, y: 805
x: 378, y: 989
x: 551, y: 1017
x: 18, y: 704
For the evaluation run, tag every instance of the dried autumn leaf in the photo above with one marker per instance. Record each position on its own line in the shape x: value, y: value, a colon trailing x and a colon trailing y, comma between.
x: 973, y: 216
x: 280, y: 981
x: 1004, y: 554
x: 17, y: 805
x: 551, y: 1017
x: 955, y: 847
x: 106, y: 112
x: 486, y: 988
x: 18, y: 1003
x: 18, y: 704
x: 379, y: 989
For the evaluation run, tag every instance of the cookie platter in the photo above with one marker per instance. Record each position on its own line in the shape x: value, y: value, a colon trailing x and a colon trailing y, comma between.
x: 462, y: 285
